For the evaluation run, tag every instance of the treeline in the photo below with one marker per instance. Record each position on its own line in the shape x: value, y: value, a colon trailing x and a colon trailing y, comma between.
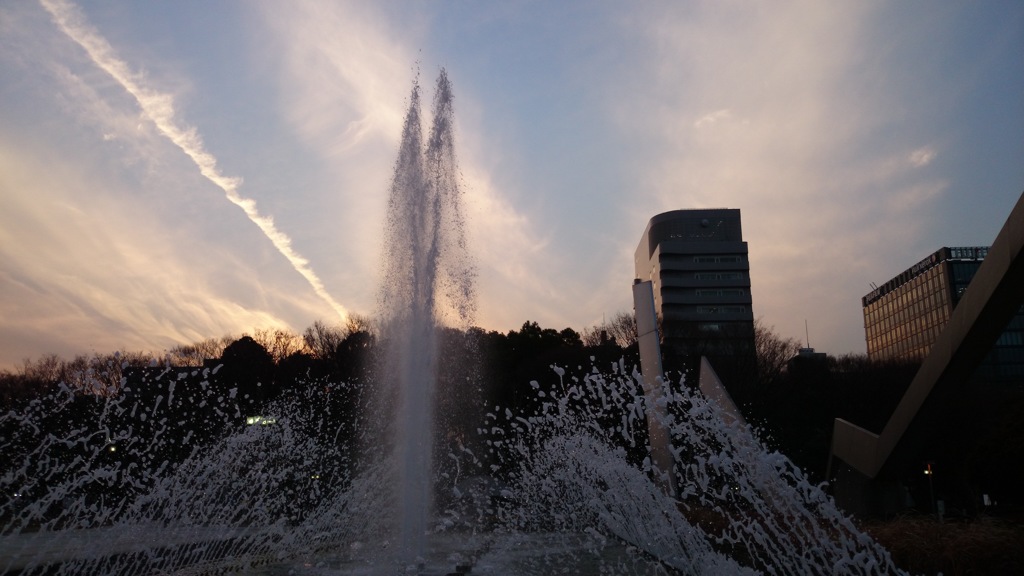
x: 793, y: 403
x: 322, y: 351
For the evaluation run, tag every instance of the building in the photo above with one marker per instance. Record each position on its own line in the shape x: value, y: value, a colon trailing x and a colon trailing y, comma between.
x: 697, y: 262
x: 808, y: 363
x: 904, y: 316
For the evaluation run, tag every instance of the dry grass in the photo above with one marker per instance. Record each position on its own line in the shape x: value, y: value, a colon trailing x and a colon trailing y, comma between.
x: 921, y: 545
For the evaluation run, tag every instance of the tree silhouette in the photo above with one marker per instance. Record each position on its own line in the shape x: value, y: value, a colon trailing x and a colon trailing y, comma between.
x: 322, y: 340
x: 249, y: 370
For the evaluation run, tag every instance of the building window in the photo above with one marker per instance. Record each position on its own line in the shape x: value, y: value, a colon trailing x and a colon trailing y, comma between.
x: 716, y: 259
x: 721, y: 309
x: 718, y: 276
x: 720, y: 292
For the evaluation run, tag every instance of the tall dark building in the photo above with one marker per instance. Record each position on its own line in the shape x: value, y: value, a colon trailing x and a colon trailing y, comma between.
x: 903, y: 317
x: 697, y: 262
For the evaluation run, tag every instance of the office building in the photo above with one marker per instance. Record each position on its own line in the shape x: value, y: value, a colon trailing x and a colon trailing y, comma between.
x: 697, y: 262
x: 904, y: 316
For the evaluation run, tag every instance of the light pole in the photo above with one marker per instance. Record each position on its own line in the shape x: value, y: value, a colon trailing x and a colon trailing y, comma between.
x: 931, y: 488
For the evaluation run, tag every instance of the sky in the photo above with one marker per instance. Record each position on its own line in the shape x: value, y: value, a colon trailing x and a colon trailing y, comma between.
x: 176, y: 171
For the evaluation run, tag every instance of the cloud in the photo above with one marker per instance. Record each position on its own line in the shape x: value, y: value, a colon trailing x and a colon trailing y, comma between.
x: 922, y: 157
x: 103, y: 274
x: 511, y: 255
x: 343, y: 76
x: 158, y: 108
x: 712, y: 118
x: 341, y: 81
x: 109, y: 236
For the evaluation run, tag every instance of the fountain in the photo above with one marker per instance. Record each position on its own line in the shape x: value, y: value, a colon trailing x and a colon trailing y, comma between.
x: 425, y: 260
x: 161, y: 476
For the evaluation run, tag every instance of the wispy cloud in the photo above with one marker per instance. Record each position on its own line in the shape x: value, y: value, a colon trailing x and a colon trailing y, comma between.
x: 713, y: 118
x: 158, y: 108
x: 102, y: 274
x: 341, y: 82
x: 922, y: 156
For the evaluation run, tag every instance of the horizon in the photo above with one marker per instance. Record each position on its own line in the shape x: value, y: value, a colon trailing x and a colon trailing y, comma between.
x: 173, y: 173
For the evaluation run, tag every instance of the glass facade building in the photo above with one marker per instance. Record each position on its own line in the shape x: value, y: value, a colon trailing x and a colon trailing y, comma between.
x: 904, y: 316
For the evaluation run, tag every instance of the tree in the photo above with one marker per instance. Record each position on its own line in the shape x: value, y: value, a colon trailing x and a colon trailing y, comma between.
x: 353, y: 356
x: 16, y: 389
x: 773, y: 353
x: 621, y: 329
x: 198, y: 353
x: 45, y: 369
x: 248, y: 367
x: 279, y: 343
x: 100, y: 375
x: 571, y: 338
x: 358, y: 323
x: 322, y: 340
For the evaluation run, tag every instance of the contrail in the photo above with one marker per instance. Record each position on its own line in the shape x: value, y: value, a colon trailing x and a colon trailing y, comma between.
x: 159, y: 108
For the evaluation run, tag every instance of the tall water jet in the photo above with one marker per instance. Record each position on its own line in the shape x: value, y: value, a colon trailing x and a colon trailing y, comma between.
x: 428, y: 279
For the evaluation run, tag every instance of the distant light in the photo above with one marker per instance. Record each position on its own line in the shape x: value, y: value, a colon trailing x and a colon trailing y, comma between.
x: 261, y: 420
x: 113, y: 448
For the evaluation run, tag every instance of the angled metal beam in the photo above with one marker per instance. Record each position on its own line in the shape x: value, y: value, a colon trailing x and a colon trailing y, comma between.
x: 994, y: 295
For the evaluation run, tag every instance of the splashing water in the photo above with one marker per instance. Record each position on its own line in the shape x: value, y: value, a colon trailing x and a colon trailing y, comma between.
x: 569, y: 468
x: 164, y: 477
x: 561, y: 490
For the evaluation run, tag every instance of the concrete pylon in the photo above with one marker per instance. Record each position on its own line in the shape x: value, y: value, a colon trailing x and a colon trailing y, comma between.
x: 654, y: 383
